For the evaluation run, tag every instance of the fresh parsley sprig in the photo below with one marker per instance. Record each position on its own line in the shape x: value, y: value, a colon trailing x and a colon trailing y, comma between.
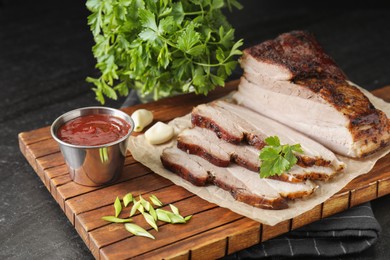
x: 161, y: 47
x: 276, y: 158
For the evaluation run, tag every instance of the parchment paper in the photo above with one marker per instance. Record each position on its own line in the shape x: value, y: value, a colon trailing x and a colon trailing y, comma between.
x: 149, y: 155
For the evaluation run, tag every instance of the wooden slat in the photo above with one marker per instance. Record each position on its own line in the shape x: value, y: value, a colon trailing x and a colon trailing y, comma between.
x: 199, y: 223
x: 108, y: 234
x: 91, y: 220
x: 35, y: 136
x: 363, y: 194
x: 269, y: 232
x: 212, y: 232
x: 244, y: 233
x: 337, y: 203
x: 383, y: 187
x: 43, y: 148
x: 307, y: 217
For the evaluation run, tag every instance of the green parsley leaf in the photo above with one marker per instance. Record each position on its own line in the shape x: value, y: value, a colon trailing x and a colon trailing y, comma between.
x: 276, y: 158
x: 161, y: 47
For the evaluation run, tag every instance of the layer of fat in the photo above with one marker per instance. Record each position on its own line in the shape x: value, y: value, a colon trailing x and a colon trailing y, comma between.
x: 281, y: 86
x: 285, y: 134
x: 252, y: 181
x: 317, y: 120
x: 292, y: 190
x: 259, y: 185
x: 293, y: 107
x: 274, y: 71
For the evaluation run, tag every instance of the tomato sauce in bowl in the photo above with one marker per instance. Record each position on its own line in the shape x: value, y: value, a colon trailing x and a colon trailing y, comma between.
x: 93, y: 129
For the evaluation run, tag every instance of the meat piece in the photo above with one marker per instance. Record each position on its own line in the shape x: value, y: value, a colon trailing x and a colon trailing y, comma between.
x: 312, y: 173
x: 244, y: 185
x: 285, y: 189
x: 292, y: 190
x: 206, y: 144
x: 250, y: 123
x: 204, y: 116
x: 233, y: 129
x: 317, y: 98
x: 291, y: 56
x: 263, y: 196
x: 248, y: 188
x: 180, y: 162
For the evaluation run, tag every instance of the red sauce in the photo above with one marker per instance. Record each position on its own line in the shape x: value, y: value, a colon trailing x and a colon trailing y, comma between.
x: 95, y: 129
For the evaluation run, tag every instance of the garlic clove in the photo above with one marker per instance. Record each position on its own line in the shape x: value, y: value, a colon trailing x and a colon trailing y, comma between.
x: 159, y: 133
x: 142, y: 118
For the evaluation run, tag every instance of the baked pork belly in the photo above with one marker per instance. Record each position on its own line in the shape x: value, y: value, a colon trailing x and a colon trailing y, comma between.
x: 244, y: 185
x: 205, y: 143
x: 227, y: 118
x: 290, y: 79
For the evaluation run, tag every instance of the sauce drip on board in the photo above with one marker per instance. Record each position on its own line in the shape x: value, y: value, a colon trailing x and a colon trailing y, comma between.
x: 91, y: 130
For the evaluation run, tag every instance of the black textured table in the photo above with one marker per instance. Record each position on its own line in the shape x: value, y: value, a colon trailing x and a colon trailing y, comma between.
x: 45, y: 56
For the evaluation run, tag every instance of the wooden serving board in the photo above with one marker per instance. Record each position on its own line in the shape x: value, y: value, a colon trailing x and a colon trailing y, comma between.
x: 213, y: 232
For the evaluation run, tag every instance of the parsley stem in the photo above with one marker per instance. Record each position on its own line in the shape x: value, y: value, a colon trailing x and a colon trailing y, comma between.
x: 207, y: 65
x: 194, y: 13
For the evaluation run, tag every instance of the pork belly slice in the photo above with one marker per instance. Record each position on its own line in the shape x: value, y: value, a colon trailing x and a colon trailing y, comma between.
x: 230, y: 128
x: 285, y: 189
x: 254, y: 124
x: 206, y: 144
x: 317, y: 98
x: 181, y: 163
x: 292, y: 190
x: 318, y: 173
x: 248, y: 188
x: 244, y: 185
x: 190, y: 167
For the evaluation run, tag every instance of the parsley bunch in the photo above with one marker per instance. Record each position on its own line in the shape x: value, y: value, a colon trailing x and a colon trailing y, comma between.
x: 161, y: 47
x: 276, y: 158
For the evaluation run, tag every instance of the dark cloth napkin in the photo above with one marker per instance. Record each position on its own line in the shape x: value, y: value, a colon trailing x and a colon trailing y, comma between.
x: 351, y: 231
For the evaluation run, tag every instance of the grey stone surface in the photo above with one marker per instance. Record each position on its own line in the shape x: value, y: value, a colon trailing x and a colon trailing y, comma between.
x: 45, y: 56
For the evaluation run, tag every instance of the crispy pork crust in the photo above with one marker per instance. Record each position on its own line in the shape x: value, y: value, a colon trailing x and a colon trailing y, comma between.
x: 306, y: 161
x: 310, y: 67
x: 300, y: 53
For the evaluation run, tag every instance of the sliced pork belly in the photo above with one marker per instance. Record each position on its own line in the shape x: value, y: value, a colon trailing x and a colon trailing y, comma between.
x: 292, y: 190
x: 206, y: 144
x: 312, y: 173
x: 232, y: 129
x: 261, y: 195
x: 181, y: 163
x: 248, y: 187
x: 244, y: 185
x: 292, y: 80
x: 251, y: 123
